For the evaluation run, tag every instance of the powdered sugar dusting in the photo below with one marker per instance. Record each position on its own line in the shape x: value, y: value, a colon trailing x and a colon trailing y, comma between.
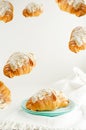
x: 4, y: 6
x: 42, y: 94
x: 75, y: 3
x: 79, y: 35
x: 18, y: 59
x: 32, y: 7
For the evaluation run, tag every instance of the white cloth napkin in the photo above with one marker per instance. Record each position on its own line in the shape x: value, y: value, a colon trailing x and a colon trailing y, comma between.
x: 23, y: 121
x: 75, y: 88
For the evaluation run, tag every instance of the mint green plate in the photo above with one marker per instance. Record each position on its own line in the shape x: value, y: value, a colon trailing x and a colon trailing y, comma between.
x: 57, y: 112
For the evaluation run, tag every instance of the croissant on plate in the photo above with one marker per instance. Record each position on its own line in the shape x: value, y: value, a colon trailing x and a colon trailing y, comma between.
x: 32, y: 9
x: 47, y: 99
x: 77, y: 7
x: 19, y: 64
x: 5, y: 95
x: 77, y: 40
x: 6, y: 11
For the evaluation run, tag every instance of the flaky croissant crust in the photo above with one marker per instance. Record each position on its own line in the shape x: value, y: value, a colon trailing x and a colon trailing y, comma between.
x: 8, y: 15
x: 27, y: 13
x: 80, y: 11
x: 75, y: 48
x: 25, y: 69
x: 5, y: 93
x: 49, y: 103
x: 77, y: 33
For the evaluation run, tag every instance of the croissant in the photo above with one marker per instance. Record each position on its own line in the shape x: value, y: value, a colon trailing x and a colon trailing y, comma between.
x: 32, y: 9
x: 77, y: 40
x: 6, y: 11
x: 19, y: 64
x: 76, y: 7
x: 5, y: 95
x: 47, y: 99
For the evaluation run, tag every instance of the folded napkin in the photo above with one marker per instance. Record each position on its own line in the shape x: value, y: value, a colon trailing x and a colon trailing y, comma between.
x: 79, y: 79
x: 75, y: 88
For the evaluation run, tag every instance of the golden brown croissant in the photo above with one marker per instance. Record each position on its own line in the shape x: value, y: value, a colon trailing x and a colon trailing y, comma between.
x: 76, y: 7
x: 78, y: 39
x: 46, y: 99
x: 5, y: 95
x: 6, y: 11
x: 19, y: 64
x: 32, y: 9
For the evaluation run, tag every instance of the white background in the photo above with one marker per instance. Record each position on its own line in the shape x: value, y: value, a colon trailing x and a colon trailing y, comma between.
x: 47, y: 36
